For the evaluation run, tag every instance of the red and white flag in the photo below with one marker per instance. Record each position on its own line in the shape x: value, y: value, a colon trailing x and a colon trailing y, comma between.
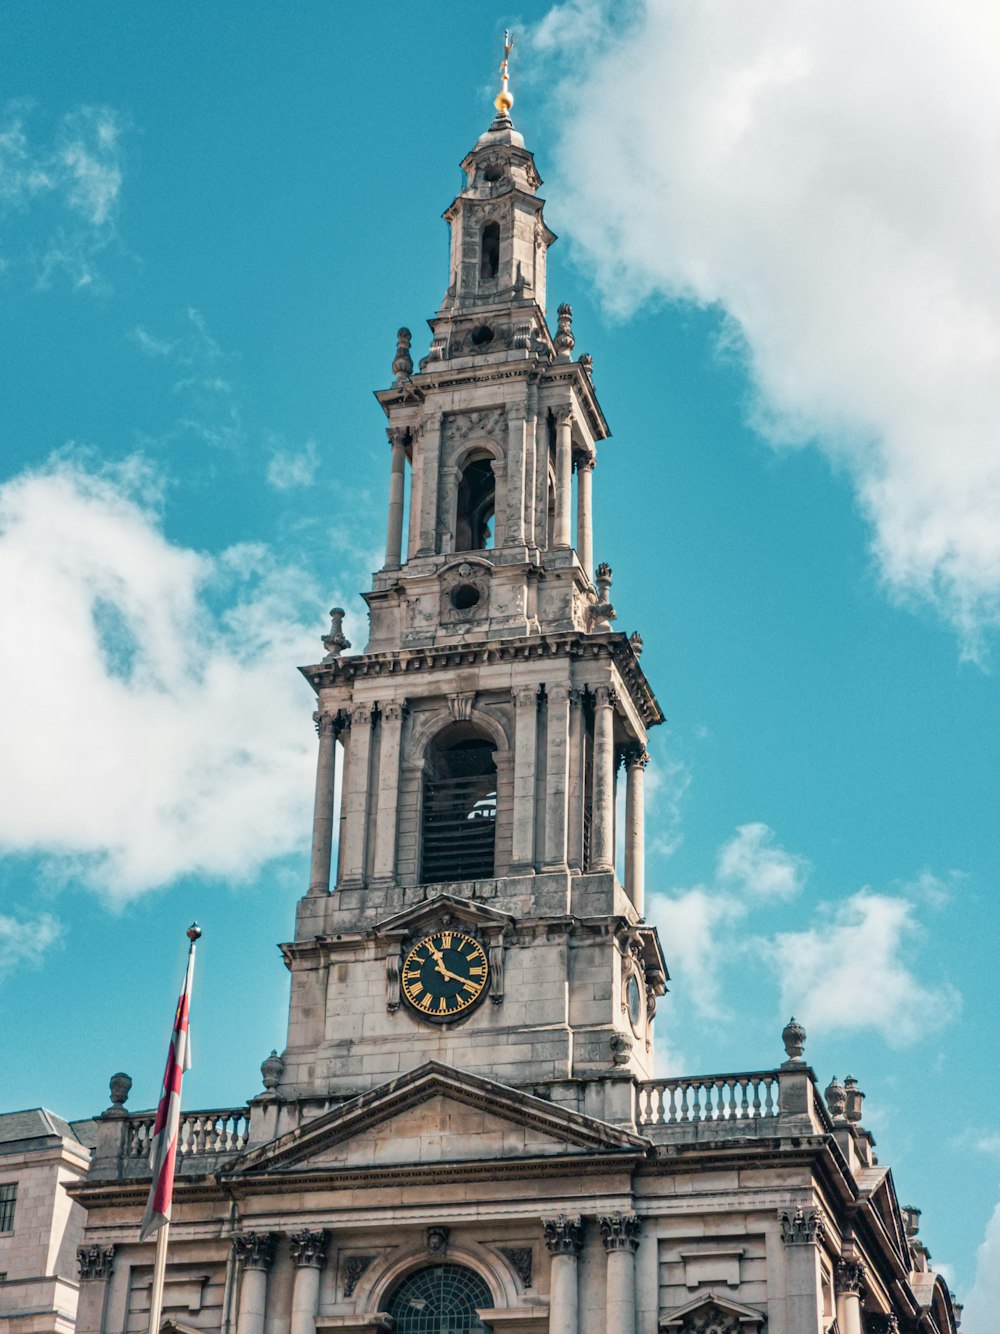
x: 163, y: 1147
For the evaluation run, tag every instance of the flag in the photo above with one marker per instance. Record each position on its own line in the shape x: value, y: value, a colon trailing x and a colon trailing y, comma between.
x: 163, y: 1146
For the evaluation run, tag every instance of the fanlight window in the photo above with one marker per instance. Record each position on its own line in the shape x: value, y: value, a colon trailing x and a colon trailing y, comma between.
x: 476, y: 503
x: 441, y: 1299
x: 460, y: 809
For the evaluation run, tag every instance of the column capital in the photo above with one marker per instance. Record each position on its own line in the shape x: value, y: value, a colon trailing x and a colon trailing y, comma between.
x: 584, y: 462
x: 850, y: 1277
x: 563, y: 413
x: 563, y: 1236
x: 361, y: 714
x: 636, y: 757
x: 558, y: 693
x: 525, y: 696
x: 604, y: 695
x: 308, y: 1249
x: 254, y: 1250
x: 95, y: 1261
x: 397, y: 434
x: 801, y: 1228
x: 393, y: 712
x: 327, y: 724
x: 620, y: 1232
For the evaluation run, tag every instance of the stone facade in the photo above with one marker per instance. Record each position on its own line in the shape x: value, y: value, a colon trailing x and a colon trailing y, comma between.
x: 40, y: 1226
x: 465, y: 1118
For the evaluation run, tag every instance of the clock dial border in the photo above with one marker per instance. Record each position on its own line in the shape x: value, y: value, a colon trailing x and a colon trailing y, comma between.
x: 466, y: 983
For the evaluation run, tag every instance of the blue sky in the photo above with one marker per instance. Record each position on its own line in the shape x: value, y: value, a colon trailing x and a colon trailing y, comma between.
x: 214, y: 220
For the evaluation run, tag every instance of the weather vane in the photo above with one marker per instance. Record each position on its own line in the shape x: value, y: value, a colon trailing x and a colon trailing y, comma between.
x: 504, y: 99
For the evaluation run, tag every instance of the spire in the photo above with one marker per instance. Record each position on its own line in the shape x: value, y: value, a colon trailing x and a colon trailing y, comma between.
x: 504, y: 99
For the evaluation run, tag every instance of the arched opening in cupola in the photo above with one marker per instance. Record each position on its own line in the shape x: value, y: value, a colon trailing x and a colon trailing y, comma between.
x: 458, y: 825
x: 476, y: 506
x: 489, y: 251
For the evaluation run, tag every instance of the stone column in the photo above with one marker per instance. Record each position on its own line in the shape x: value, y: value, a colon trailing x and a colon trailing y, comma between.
x: 96, y: 1265
x: 525, y: 750
x: 636, y: 760
x: 516, y: 476
x: 309, y: 1256
x: 564, y: 477
x: 354, y: 831
x: 327, y: 726
x: 397, y: 481
x: 564, y: 1238
x: 849, y: 1283
x: 620, y: 1233
x: 450, y: 480
x: 386, y: 812
x: 430, y: 466
x: 574, y: 819
x: 584, y: 515
x: 602, y: 837
x: 801, y: 1286
x: 255, y: 1252
x: 556, y: 777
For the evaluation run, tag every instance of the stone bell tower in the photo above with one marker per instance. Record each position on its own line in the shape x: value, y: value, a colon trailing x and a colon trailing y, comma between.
x: 489, y: 721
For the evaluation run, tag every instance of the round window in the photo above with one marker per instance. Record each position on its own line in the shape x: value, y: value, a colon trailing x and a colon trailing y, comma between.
x: 465, y: 596
x: 482, y: 335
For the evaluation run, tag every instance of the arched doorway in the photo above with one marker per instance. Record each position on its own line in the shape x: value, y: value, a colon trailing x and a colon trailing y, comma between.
x: 440, y: 1299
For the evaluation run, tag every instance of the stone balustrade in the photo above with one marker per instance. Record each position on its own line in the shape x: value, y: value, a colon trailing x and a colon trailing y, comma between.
x: 708, y: 1098
x: 201, y: 1133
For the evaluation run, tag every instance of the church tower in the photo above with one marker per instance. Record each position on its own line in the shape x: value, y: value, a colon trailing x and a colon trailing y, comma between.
x: 465, y: 1132
x: 475, y: 915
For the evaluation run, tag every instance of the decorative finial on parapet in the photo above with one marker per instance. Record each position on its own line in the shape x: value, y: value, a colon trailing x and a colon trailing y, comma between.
x: 271, y: 1070
x: 836, y: 1099
x: 121, y: 1086
x: 911, y: 1219
x: 635, y: 639
x: 402, y: 364
x: 854, y: 1098
x: 587, y: 363
x: 564, y: 340
x: 504, y: 99
x: 793, y: 1035
x: 336, y: 641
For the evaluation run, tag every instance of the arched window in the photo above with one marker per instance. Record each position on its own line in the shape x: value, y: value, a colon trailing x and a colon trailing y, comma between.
x: 476, y: 505
x: 441, y: 1299
x: 489, y: 252
x: 460, y: 807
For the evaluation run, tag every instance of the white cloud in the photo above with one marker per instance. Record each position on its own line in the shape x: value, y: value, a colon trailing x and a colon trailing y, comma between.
x: 756, y: 863
x: 155, y: 722
x: 824, y: 176
x: 851, y: 971
x: 69, y: 188
x: 983, y: 1302
x: 290, y: 469
x: 695, y: 927
x: 26, y: 941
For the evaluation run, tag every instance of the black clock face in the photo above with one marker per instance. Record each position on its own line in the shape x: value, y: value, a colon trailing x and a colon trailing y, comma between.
x: 444, y: 975
x: 633, y: 999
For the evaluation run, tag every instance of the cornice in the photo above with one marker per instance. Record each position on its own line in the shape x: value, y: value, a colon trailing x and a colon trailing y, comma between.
x: 399, y: 662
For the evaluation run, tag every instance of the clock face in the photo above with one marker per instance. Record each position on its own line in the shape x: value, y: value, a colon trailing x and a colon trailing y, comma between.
x: 444, y: 975
x: 633, y: 999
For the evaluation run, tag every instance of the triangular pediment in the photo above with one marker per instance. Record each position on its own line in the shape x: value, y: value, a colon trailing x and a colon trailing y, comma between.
x: 438, y: 1115
x: 734, y: 1315
x: 877, y: 1184
x: 443, y: 908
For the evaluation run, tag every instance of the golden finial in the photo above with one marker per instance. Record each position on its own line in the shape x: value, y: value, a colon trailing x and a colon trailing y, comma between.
x: 504, y: 99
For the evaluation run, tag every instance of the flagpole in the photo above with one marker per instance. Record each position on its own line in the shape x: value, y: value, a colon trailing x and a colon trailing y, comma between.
x: 159, y: 1274
x: 163, y: 1231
